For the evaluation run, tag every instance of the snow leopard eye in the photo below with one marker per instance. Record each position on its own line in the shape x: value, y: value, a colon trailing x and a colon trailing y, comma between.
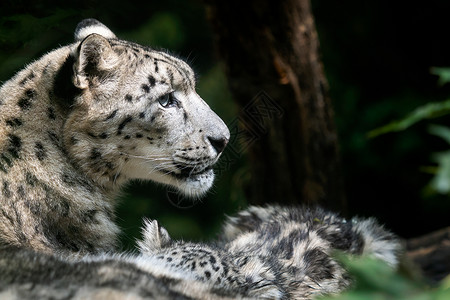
x: 167, y: 100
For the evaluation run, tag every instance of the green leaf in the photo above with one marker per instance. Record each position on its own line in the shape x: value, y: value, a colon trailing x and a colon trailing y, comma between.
x: 427, y: 111
x: 440, y: 182
x: 443, y: 73
x: 373, y: 279
x: 440, y: 131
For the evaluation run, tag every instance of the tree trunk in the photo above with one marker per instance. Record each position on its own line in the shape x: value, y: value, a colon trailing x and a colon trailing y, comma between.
x: 271, y: 54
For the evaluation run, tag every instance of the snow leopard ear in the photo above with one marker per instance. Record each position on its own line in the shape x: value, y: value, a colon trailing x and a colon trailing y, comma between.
x: 154, y: 238
x: 94, y: 58
x: 90, y: 26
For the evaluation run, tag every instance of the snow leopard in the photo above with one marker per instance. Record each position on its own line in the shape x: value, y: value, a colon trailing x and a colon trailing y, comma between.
x: 83, y: 120
x: 276, y: 252
x: 267, y: 252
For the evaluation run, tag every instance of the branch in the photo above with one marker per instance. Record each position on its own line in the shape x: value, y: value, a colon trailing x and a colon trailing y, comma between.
x: 431, y: 253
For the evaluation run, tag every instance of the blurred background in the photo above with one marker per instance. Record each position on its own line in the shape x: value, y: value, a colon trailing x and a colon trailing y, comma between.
x: 377, y: 55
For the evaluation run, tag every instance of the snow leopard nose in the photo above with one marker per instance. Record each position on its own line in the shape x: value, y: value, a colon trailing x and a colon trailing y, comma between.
x: 218, y: 143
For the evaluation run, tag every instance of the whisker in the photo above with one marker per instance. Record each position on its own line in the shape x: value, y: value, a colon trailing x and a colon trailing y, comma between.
x: 148, y: 157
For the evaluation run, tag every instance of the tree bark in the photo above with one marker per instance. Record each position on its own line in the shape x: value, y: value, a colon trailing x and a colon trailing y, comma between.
x: 431, y: 253
x: 270, y: 50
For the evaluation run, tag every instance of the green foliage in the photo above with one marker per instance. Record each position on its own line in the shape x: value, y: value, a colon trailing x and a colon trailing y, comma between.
x: 443, y: 73
x: 373, y: 279
x: 441, y: 180
x: 21, y: 38
x: 163, y: 30
x: 27, y: 27
x: 440, y: 183
x: 427, y: 111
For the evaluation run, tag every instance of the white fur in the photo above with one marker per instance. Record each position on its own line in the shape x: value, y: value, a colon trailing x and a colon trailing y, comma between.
x: 98, y: 29
x: 374, y: 244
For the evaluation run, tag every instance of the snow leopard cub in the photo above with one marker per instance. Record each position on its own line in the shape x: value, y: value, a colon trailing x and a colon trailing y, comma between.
x: 275, y: 252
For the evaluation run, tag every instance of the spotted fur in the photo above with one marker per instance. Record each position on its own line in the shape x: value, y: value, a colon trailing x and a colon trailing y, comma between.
x: 299, y: 244
x: 212, y: 264
x: 275, y: 252
x: 86, y: 118
x: 264, y: 253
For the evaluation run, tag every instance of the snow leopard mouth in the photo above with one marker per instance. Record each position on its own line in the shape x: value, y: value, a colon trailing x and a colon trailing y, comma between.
x: 191, y: 180
x: 188, y: 172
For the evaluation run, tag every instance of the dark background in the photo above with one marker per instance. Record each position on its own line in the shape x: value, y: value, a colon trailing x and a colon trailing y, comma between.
x: 377, y: 56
